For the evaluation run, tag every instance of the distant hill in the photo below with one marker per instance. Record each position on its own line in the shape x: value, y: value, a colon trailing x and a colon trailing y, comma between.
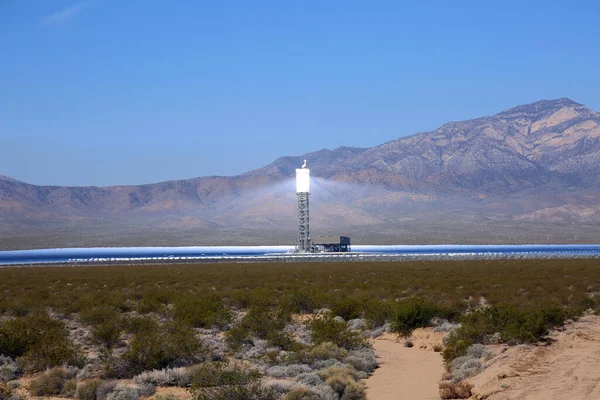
x: 534, y: 169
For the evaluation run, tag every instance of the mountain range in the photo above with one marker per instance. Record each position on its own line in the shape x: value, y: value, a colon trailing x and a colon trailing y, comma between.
x: 527, y: 174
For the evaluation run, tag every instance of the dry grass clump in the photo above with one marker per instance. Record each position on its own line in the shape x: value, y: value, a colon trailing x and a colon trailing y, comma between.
x: 303, y: 392
x: 127, y: 391
x: 451, y: 390
x: 344, y: 382
x: 7, y: 393
x: 86, y: 389
x: 57, y: 381
x: 181, y: 377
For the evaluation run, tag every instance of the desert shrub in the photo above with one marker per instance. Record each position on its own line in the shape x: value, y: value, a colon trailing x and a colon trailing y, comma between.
x: 446, y: 327
x: 413, y: 313
x: 155, y: 377
x: 322, y: 351
x: 302, y: 301
x: 362, y: 360
x: 478, y: 351
x: 327, y: 329
x: 202, y: 311
x: 104, y: 389
x: 451, y: 390
x: 217, y: 380
x: 346, y: 307
x: 218, y: 373
x: 354, y: 391
x: 309, y: 379
x: 288, y: 371
x: 347, y: 372
x: 319, y: 392
x: 513, y: 324
x: 378, y: 331
x: 262, y: 323
x: 283, y: 340
x: 7, y: 393
x: 357, y: 324
x: 464, y: 367
x: 107, y: 334
x: 181, y: 377
x: 251, y: 391
x: 53, y: 382
x: 137, y: 324
x: 377, y: 312
x: 98, y: 315
x: 280, y: 386
x: 170, y: 346
x: 39, y: 342
x: 9, y: 369
x: 86, y: 390
x: 124, y: 391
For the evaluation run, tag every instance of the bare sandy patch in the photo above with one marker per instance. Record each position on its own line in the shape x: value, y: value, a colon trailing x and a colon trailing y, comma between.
x: 406, y: 373
x: 568, y: 368
x: 175, y: 392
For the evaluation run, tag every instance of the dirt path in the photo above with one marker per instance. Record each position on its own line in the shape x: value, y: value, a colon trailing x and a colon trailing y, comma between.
x: 569, y: 368
x: 406, y: 373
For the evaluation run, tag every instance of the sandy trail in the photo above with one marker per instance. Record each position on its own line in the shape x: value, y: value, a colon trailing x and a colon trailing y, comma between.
x: 569, y: 368
x: 406, y: 373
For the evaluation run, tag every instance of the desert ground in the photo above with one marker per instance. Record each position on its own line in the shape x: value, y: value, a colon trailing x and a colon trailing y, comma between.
x: 502, y: 329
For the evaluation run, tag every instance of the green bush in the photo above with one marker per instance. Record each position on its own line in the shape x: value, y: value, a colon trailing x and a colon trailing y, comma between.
x: 378, y: 312
x: 262, y: 323
x: 171, y: 345
x: 346, y: 307
x: 98, y: 315
x: 413, y: 313
x: 202, y: 311
x: 283, y: 340
x: 328, y: 329
x: 107, y: 334
x: 139, y: 324
x: 219, y: 373
x: 514, y: 325
x: 302, y: 301
x: 38, y: 342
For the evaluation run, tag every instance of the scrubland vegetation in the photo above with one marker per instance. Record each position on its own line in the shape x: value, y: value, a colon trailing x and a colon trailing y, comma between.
x: 266, y: 331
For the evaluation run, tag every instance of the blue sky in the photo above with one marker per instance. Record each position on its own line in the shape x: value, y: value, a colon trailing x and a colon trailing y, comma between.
x: 104, y: 92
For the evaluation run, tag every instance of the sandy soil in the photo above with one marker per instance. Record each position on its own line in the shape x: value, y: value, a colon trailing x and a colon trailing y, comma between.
x: 569, y: 368
x: 406, y: 373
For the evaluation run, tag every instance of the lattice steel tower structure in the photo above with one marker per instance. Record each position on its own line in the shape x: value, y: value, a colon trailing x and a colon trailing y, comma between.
x: 304, y: 244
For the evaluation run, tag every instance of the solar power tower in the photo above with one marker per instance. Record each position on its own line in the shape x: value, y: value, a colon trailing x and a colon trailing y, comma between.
x: 304, y: 244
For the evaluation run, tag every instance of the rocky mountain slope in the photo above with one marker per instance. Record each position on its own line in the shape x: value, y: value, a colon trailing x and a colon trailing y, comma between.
x: 535, y: 163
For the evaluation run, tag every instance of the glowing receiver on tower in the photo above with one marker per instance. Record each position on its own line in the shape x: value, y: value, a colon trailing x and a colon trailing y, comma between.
x: 303, y: 179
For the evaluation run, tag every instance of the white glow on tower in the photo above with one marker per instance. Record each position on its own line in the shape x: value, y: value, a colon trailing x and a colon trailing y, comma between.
x: 303, y: 179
